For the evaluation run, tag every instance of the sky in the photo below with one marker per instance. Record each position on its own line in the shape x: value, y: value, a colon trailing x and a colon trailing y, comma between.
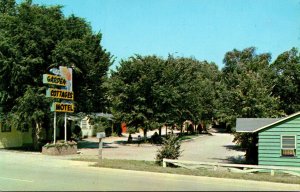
x: 203, y: 29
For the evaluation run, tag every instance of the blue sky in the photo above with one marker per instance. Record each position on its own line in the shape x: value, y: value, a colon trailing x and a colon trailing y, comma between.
x: 204, y: 29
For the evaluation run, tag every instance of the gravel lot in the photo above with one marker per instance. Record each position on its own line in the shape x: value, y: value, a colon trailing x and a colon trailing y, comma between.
x: 217, y: 147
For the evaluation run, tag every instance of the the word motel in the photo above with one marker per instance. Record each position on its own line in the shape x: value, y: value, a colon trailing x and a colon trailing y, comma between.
x: 60, y: 94
x: 62, y: 107
x: 54, y: 80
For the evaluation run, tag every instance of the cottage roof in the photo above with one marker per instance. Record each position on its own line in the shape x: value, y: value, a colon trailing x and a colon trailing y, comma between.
x: 256, y: 124
x: 252, y: 124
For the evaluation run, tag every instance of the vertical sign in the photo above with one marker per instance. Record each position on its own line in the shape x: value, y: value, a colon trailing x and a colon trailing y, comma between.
x: 66, y: 73
x: 62, y: 78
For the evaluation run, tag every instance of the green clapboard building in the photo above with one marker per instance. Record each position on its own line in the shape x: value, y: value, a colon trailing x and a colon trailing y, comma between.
x: 278, y: 139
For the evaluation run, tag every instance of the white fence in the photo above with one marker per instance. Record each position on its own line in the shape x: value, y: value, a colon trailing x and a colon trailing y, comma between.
x: 239, y: 168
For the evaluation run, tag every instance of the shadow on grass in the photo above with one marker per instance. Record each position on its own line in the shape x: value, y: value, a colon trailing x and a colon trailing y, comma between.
x: 28, y: 149
x: 237, y: 159
x: 240, y: 159
x: 92, y: 145
x: 120, y: 142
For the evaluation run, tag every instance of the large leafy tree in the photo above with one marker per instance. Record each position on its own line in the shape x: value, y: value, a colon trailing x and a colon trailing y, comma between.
x: 150, y: 91
x: 247, y: 87
x: 287, y: 80
x: 131, y: 90
x: 34, y: 39
x: 194, y: 82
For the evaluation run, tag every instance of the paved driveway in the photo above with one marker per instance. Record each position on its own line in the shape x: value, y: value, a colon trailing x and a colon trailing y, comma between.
x: 217, y: 147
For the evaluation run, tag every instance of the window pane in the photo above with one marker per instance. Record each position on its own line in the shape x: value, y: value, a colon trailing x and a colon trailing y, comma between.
x: 288, y: 146
x: 288, y: 152
x: 288, y: 142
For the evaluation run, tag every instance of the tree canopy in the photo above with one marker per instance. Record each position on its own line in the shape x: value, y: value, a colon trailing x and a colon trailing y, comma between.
x: 155, y: 91
x: 34, y: 39
x: 286, y: 70
x: 247, y: 86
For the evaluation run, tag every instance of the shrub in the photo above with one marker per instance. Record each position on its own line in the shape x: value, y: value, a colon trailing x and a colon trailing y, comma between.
x: 98, y: 127
x: 156, y: 139
x: 169, y: 150
x: 249, y: 142
x: 100, y: 124
x: 60, y: 144
x: 76, y: 133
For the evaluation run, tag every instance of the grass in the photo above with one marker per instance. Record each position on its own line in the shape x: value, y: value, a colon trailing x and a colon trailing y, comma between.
x: 151, y: 166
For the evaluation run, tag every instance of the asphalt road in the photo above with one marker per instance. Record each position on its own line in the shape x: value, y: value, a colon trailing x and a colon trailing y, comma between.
x: 32, y: 172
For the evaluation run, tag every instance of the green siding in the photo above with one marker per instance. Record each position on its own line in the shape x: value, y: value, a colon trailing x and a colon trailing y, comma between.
x: 269, y: 147
x: 267, y: 151
x: 269, y: 136
x: 269, y: 155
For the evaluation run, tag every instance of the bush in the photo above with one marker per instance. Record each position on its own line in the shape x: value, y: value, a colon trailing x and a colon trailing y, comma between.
x: 98, y: 127
x: 60, y: 143
x: 249, y: 142
x: 156, y: 139
x: 76, y: 133
x: 169, y: 150
x: 101, y: 124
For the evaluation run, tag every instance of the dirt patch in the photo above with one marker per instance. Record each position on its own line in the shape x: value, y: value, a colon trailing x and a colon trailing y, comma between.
x: 61, y: 150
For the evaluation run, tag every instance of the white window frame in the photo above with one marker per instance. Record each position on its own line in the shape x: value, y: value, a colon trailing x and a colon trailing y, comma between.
x: 281, y: 147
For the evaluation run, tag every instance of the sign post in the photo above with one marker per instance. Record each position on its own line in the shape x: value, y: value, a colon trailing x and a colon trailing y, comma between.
x: 100, y: 136
x: 65, y: 127
x: 54, y: 124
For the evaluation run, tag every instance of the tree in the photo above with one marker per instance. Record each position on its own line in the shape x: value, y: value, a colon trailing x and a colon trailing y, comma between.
x: 7, y: 7
x: 247, y: 92
x: 34, y: 39
x: 131, y: 91
x: 29, y: 111
x: 247, y: 86
x: 248, y: 141
x: 194, y: 83
x: 150, y: 92
x: 287, y: 80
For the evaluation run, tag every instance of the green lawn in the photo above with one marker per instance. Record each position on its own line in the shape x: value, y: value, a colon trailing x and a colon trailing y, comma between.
x: 152, y: 167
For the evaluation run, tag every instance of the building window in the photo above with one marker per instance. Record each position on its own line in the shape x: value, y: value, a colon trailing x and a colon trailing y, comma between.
x: 288, y: 146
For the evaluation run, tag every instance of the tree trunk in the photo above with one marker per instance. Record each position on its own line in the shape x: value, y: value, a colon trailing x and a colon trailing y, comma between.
x: 145, y: 134
x: 204, y: 126
x: 181, y: 128
x: 159, y: 131
x: 36, y: 136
